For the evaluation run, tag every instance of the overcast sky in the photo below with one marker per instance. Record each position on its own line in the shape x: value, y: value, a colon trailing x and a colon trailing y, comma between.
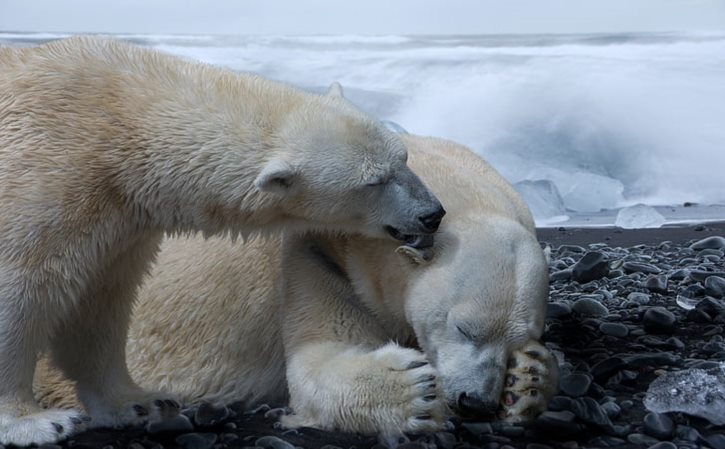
x: 361, y: 17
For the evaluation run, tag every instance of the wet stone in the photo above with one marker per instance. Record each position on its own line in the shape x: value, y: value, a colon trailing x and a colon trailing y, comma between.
x: 271, y: 442
x: 196, y: 440
x: 663, y: 445
x: 639, y: 438
x: 445, y: 440
x: 639, y: 298
x: 557, y: 310
x: 640, y: 267
x: 715, y: 286
x: 592, y: 266
x: 659, y: 426
x: 561, y: 275
x: 478, y: 428
x: 714, y: 242
x: 656, y: 283
x: 716, y: 441
x: 575, y: 385
x: 614, y: 329
x: 589, y: 307
x: 658, y: 320
x: 558, y: 422
x: 611, y: 409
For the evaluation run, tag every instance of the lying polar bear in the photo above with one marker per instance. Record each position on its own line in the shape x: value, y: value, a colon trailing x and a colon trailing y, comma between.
x: 367, y: 339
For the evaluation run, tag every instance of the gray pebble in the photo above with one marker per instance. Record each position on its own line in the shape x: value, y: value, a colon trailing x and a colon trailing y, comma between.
x: 614, y: 329
x: 589, y: 307
x: 716, y: 441
x: 271, y: 442
x: 663, y: 445
x: 562, y: 275
x: 591, y: 267
x: 639, y: 438
x: 445, y: 440
x: 575, y: 385
x: 659, y: 426
x: 611, y: 409
x: 714, y: 242
x: 558, y: 422
x: 715, y: 286
x: 557, y: 310
x: 478, y: 428
x: 640, y: 267
x: 658, y: 320
x: 656, y: 283
x: 196, y: 440
x: 639, y: 298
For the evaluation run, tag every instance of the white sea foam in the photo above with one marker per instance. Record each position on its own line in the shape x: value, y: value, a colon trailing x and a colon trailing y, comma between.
x: 610, y: 120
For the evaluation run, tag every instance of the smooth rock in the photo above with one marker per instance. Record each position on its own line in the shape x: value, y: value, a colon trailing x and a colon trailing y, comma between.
x: 640, y: 267
x: 561, y: 275
x: 589, y: 307
x: 659, y: 426
x: 611, y: 409
x: 658, y: 320
x: 716, y: 441
x: 656, y: 283
x: 562, y: 422
x: 639, y: 438
x: 715, y: 286
x: 575, y: 385
x: 557, y: 310
x: 272, y: 442
x: 639, y: 298
x: 445, y: 440
x: 592, y: 266
x: 614, y: 329
x: 478, y: 428
x: 714, y: 242
x: 196, y: 440
x: 663, y: 445
x: 589, y: 410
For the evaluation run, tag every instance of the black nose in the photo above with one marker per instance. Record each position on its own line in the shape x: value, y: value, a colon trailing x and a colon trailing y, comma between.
x: 433, y: 220
x: 474, y: 404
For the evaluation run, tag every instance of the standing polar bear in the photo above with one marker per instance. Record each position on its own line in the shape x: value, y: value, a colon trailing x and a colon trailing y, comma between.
x: 366, y: 339
x: 103, y: 148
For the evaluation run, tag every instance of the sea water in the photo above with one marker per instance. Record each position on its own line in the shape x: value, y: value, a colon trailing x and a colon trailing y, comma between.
x: 582, y: 125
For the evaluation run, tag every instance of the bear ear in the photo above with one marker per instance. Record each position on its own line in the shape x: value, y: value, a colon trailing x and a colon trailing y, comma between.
x: 276, y: 177
x: 335, y: 90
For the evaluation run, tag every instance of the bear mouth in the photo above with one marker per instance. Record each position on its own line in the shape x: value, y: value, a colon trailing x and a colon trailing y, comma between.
x: 418, y: 241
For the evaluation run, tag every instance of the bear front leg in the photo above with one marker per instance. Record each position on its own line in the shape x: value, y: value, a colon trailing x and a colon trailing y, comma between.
x: 341, y: 374
x: 90, y: 349
x: 388, y: 390
x: 22, y: 333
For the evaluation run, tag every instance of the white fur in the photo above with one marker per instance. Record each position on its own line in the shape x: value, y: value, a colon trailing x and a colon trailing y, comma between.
x: 366, y: 337
x: 105, y: 146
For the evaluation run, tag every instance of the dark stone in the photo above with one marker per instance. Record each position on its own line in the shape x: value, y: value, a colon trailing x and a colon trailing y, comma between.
x: 271, y: 442
x: 558, y: 403
x: 537, y: 446
x: 714, y: 242
x: 575, y: 385
x: 605, y: 441
x: 701, y: 275
x: 196, y: 440
x: 445, y: 440
x: 589, y: 307
x: 698, y: 316
x: 591, y: 267
x: 614, y: 329
x: 688, y: 433
x: 208, y: 415
x: 651, y: 359
x: 659, y: 426
x: 638, y: 438
x: 177, y: 423
x: 602, y: 371
x: 640, y: 267
x: 611, y: 409
x: 656, y: 283
x: 557, y: 310
x: 658, y: 320
x: 716, y: 441
x: 715, y: 286
x: 589, y: 410
x: 562, y: 423
x: 663, y: 445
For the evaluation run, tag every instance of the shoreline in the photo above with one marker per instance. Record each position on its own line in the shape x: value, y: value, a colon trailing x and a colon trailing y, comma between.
x: 618, y: 237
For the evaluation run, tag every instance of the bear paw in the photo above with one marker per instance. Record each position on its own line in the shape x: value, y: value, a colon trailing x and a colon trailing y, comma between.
x: 531, y: 380
x: 134, y: 407
x: 43, y: 427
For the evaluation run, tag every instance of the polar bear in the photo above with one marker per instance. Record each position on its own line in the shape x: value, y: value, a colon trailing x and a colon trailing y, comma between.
x: 366, y: 339
x: 104, y: 147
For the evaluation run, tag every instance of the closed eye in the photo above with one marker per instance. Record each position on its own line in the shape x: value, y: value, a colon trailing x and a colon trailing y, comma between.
x: 465, y: 333
x: 376, y: 181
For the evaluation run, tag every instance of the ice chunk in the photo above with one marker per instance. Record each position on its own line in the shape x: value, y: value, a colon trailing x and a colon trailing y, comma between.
x: 639, y: 216
x: 687, y: 303
x: 543, y: 199
x: 584, y: 191
x: 697, y: 392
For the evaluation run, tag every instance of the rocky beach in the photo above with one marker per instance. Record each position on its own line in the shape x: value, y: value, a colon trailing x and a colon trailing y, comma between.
x: 636, y: 319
